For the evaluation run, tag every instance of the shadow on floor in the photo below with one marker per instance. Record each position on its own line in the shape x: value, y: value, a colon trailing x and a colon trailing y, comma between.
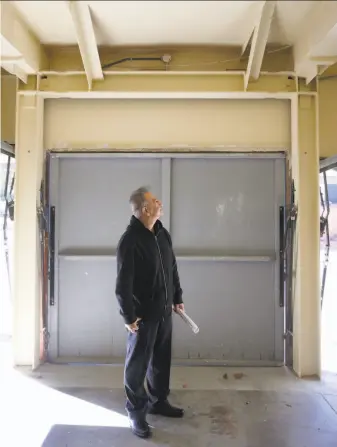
x: 213, y: 419
x: 79, y: 436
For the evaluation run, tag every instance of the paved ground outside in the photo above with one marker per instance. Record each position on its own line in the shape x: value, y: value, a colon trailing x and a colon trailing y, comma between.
x: 5, y: 286
x: 329, y: 315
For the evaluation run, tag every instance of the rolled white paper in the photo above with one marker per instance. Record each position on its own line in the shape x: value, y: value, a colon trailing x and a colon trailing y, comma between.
x: 188, y: 320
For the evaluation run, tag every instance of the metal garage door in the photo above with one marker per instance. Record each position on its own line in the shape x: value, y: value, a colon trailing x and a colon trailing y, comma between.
x: 223, y: 215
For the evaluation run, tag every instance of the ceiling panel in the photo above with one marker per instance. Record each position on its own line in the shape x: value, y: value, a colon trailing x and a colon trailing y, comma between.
x: 49, y: 20
x: 146, y: 22
x: 173, y: 22
x: 328, y: 47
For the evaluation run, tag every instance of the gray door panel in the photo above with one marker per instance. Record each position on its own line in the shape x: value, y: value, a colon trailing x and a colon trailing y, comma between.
x: 223, y: 206
x: 232, y: 305
x: 88, y: 322
x: 93, y: 196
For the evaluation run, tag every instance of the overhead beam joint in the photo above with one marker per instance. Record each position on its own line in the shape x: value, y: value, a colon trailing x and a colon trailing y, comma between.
x: 320, y: 20
x: 85, y: 34
x: 259, y: 41
x: 21, y: 52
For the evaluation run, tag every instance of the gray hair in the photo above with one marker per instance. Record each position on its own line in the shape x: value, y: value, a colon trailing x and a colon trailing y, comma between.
x: 138, y: 201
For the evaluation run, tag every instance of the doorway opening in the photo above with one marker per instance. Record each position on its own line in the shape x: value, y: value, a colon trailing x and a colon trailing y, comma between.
x: 328, y: 266
x: 7, y: 178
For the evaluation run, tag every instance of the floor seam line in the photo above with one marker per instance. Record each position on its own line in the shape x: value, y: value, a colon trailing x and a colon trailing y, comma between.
x: 326, y: 400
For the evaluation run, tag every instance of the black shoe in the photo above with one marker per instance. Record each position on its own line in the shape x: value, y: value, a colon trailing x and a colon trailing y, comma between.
x: 140, y: 427
x: 166, y: 409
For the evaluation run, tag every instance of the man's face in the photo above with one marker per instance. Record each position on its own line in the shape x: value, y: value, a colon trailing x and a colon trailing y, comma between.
x: 154, y: 207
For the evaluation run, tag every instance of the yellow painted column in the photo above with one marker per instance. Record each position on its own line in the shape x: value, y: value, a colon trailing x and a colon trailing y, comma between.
x: 26, y: 290
x: 306, y: 299
x: 8, y: 100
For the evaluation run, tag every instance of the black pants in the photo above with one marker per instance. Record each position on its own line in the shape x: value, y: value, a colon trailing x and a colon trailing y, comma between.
x: 148, y: 356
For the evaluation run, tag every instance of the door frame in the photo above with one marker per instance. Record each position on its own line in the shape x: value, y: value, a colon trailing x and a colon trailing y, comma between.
x: 327, y: 163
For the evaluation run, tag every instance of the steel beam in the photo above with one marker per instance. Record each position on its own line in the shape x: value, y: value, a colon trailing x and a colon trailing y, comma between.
x: 81, y: 15
x: 259, y: 41
x: 179, y: 86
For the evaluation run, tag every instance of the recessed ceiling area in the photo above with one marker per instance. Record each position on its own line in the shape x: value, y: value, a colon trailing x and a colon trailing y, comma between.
x: 309, y: 28
x: 163, y: 22
x: 50, y: 21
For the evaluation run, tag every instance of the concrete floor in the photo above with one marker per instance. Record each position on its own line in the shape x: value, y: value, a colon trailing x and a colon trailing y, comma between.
x: 83, y: 406
x: 214, y: 418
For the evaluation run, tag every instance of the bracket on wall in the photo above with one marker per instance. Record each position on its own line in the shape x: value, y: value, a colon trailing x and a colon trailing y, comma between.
x: 282, y: 260
x: 52, y: 257
x: 289, y: 239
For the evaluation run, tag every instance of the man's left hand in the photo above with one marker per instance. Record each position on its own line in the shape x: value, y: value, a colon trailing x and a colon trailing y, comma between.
x: 179, y: 307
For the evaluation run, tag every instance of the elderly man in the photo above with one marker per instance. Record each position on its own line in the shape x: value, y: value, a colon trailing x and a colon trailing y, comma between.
x: 147, y: 289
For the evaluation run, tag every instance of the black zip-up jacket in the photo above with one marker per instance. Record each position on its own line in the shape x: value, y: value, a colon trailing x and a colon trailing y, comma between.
x: 147, y: 283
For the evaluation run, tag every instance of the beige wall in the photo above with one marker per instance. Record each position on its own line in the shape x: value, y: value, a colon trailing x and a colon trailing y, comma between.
x: 221, y: 130
x: 8, y: 101
x: 328, y: 117
x: 97, y: 124
x: 184, y: 58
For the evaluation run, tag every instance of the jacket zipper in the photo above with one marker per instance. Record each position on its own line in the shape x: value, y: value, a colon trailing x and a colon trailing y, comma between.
x: 162, y: 267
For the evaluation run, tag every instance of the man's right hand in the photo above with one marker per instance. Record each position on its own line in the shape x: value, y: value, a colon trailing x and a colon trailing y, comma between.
x: 133, y: 328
